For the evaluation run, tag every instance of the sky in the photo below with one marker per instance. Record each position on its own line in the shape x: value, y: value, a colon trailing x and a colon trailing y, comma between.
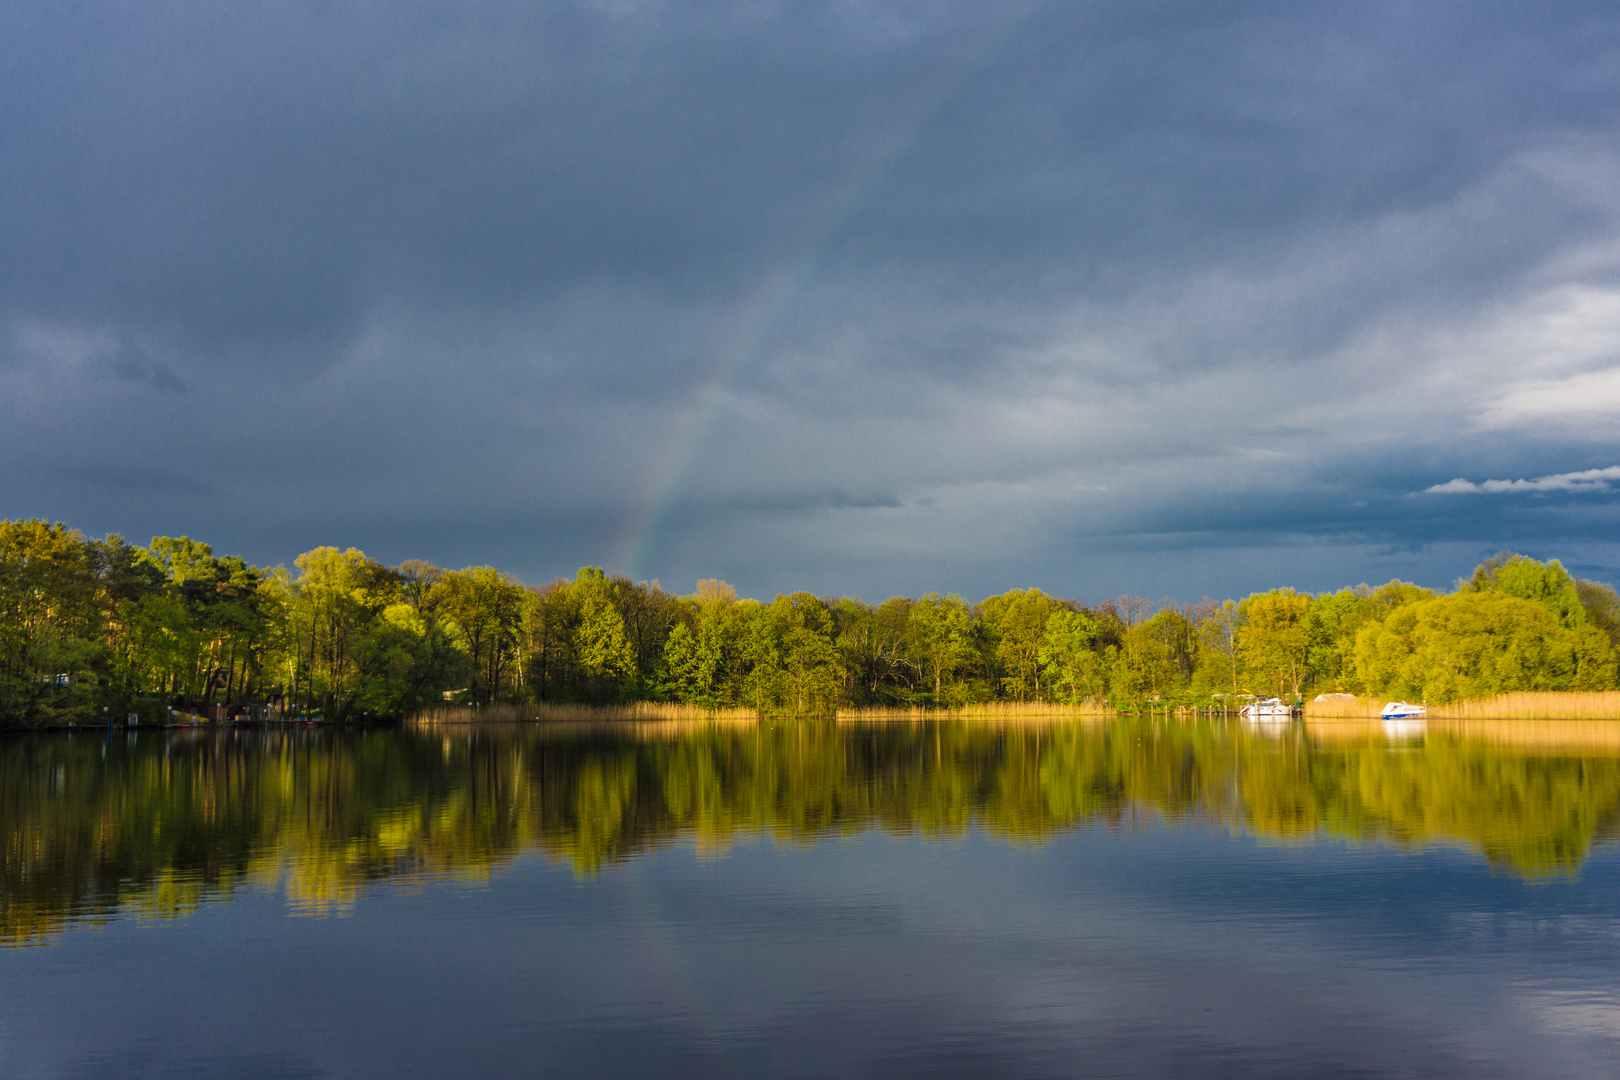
x: 857, y: 298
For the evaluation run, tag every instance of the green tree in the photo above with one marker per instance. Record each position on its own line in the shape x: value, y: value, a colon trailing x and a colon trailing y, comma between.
x: 649, y: 614
x: 1017, y: 624
x: 869, y: 646
x: 1476, y: 644
x: 1179, y: 637
x: 942, y: 630
x: 550, y: 616
x: 1602, y: 606
x: 338, y: 593
x: 1547, y: 584
x: 1068, y: 657
x: 1220, y: 634
x: 691, y: 667
x: 486, y: 606
x: 605, y: 654
x: 405, y: 661
x: 1274, y: 642
x: 793, y: 661
x: 183, y: 560
x: 702, y: 657
x: 53, y: 655
x: 1140, y: 668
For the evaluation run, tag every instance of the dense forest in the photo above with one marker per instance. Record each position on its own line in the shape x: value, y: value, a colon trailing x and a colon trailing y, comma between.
x: 95, y: 629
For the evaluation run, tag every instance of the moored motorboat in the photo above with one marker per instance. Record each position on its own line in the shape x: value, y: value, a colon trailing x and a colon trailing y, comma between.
x: 1269, y: 710
x: 1400, y: 710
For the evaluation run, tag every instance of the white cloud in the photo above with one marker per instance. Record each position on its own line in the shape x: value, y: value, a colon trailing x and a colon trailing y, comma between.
x: 1561, y: 348
x: 1572, y: 405
x: 1587, y: 480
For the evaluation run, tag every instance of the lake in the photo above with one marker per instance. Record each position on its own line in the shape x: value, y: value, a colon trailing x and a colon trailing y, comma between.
x: 1129, y: 897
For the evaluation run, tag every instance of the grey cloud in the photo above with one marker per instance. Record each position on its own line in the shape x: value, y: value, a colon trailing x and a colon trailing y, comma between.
x: 896, y: 292
x: 142, y: 482
x: 795, y: 503
x: 530, y: 148
x: 128, y: 363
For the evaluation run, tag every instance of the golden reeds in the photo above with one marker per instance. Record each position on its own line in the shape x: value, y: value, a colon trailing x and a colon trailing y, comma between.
x: 1525, y: 705
x: 645, y: 711
x: 993, y: 713
x: 550, y: 712
x: 1344, y: 706
x: 997, y: 710
x: 1548, y: 705
x: 1535, y: 705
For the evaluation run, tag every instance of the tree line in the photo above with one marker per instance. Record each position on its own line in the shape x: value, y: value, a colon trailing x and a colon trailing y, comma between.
x: 95, y: 629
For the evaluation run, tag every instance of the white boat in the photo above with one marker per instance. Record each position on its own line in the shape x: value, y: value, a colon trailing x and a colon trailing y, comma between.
x: 1271, y: 709
x: 1400, y: 710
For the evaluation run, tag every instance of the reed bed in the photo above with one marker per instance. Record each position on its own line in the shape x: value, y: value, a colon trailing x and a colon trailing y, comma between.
x: 988, y: 710
x: 664, y: 711
x: 1353, y: 708
x: 1533, y: 705
x: 552, y: 712
x: 1525, y: 705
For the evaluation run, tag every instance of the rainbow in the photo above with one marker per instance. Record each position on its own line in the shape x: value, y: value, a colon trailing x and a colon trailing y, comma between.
x: 824, y: 226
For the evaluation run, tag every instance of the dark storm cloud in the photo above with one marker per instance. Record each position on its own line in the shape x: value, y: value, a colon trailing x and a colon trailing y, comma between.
x: 144, y: 482
x: 130, y: 364
x: 879, y: 297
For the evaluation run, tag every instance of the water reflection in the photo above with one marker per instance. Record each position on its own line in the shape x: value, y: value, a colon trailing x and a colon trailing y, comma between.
x: 157, y: 822
x: 1404, y: 730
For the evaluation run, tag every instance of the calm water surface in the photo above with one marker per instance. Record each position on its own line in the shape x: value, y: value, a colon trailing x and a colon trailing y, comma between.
x: 1131, y: 898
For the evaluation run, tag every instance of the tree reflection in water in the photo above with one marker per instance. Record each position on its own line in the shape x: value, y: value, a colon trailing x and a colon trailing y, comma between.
x: 154, y: 824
